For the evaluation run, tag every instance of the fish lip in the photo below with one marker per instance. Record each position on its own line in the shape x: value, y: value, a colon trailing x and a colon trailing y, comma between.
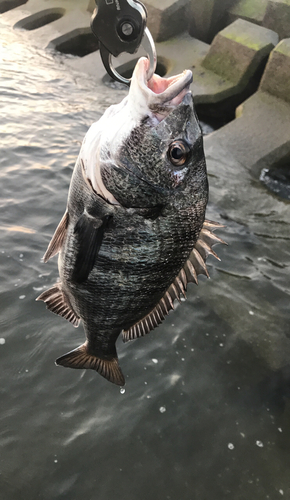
x: 160, y: 91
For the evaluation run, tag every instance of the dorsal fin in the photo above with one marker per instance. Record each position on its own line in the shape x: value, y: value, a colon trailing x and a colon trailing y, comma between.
x: 57, y: 239
x: 194, y: 265
x: 58, y: 303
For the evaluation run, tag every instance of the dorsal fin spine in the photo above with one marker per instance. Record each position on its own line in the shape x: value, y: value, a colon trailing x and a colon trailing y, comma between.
x: 183, y: 278
x: 180, y: 286
x: 142, y: 329
x: 164, y: 306
x: 191, y: 272
x: 173, y: 292
x: 169, y: 300
x: 160, y: 311
x: 157, y: 315
x: 195, y: 255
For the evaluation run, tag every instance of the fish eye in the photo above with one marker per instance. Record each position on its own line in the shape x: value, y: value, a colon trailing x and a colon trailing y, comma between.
x: 178, y: 153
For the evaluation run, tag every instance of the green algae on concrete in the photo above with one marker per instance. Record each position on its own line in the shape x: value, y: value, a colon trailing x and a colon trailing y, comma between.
x: 250, y: 10
x: 238, y: 50
x: 283, y: 47
x: 272, y: 14
x: 276, y: 78
x: 247, y: 34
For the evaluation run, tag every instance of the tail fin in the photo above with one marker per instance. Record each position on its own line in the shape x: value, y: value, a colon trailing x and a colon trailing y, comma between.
x: 80, y: 358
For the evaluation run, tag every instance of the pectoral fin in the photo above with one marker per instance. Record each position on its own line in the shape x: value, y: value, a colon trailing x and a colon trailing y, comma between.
x: 57, y: 239
x: 89, y: 232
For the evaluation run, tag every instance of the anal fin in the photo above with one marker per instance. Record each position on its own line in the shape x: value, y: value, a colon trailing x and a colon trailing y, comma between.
x: 80, y: 358
x: 57, y: 302
x: 57, y: 239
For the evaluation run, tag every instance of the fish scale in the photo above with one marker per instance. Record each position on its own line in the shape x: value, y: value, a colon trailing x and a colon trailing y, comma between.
x: 150, y: 260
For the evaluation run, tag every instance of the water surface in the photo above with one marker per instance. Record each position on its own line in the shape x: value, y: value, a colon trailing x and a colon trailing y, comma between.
x: 206, y: 410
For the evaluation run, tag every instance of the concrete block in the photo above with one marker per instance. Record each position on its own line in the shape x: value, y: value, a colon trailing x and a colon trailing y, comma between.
x: 6, y: 5
x: 166, y: 18
x: 78, y: 42
x: 193, y: 52
x: 91, y: 6
x: 238, y: 50
x: 272, y: 14
x: 74, y: 19
x: 231, y: 70
x: 259, y: 137
x: 207, y: 17
x: 40, y: 19
x: 277, y: 17
x: 249, y: 10
x: 261, y: 131
x: 276, y: 78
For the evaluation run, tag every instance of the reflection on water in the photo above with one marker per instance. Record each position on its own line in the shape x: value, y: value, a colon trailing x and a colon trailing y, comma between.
x: 206, y: 410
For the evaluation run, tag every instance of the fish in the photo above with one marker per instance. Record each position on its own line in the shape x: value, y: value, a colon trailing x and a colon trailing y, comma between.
x: 134, y: 232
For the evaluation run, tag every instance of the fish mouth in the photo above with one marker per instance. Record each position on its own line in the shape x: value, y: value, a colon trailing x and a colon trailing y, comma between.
x: 160, y: 95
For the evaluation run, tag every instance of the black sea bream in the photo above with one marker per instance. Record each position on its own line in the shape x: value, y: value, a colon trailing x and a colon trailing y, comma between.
x: 134, y: 233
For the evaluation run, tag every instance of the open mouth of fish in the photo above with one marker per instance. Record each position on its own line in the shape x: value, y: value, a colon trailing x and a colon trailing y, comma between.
x: 159, y: 94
